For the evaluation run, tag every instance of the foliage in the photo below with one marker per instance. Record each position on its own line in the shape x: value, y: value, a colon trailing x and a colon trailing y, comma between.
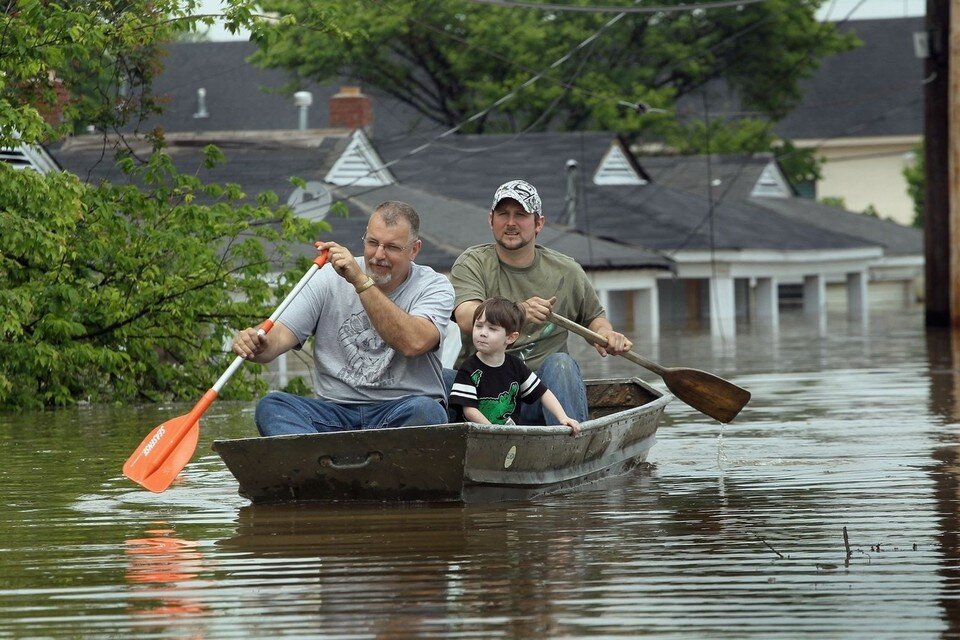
x: 834, y: 201
x: 450, y: 60
x: 799, y: 165
x: 299, y: 387
x: 50, y: 50
x: 119, y: 291
x: 916, y: 176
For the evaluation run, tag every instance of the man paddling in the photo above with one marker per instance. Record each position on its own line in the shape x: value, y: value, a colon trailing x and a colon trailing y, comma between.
x: 540, y: 280
x: 378, y: 324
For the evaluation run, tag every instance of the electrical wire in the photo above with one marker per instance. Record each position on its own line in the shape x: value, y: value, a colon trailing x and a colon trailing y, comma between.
x: 547, y: 6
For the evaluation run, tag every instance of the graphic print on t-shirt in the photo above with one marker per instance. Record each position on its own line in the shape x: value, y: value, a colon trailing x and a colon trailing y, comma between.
x: 498, y: 409
x: 367, y: 354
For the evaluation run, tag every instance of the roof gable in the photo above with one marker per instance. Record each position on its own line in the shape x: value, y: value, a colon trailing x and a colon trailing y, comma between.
x: 28, y: 157
x: 771, y: 183
x: 359, y: 165
x: 618, y: 167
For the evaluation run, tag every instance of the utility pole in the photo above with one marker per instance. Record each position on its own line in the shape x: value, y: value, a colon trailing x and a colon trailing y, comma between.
x: 942, y: 161
x: 953, y: 163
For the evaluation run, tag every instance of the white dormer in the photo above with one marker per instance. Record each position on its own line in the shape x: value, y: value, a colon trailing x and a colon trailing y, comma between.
x: 359, y: 165
x: 616, y: 169
x: 771, y: 184
x: 28, y: 157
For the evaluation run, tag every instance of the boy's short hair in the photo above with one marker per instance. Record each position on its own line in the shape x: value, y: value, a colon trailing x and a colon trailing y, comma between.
x: 502, y: 313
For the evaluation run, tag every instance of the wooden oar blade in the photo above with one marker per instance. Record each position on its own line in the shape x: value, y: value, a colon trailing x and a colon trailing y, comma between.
x: 718, y: 398
x: 164, y: 453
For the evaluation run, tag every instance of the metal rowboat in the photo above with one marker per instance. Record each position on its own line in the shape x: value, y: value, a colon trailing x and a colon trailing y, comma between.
x: 463, y: 462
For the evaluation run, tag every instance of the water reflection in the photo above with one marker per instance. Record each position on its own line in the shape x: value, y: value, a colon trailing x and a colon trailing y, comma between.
x: 943, y: 353
x: 161, y: 569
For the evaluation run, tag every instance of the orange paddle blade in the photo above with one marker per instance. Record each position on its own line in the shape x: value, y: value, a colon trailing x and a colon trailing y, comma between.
x: 164, y: 453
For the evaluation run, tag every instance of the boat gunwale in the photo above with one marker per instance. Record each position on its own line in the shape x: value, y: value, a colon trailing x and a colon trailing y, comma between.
x: 661, y: 399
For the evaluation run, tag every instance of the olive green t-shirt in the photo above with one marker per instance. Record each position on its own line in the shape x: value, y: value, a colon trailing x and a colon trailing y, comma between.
x: 478, y: 274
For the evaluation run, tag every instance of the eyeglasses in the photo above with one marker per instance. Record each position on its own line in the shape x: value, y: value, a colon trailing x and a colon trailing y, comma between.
x: 390, y: 249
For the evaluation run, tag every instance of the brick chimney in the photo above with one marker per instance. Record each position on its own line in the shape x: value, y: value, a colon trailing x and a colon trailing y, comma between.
x: 351, y: 109
x: 49, y: 98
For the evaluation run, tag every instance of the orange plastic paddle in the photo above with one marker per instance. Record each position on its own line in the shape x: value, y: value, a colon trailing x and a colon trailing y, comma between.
x: 167, y: 449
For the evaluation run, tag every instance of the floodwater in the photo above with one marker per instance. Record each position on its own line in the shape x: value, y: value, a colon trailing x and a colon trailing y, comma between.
x: 830, y: 508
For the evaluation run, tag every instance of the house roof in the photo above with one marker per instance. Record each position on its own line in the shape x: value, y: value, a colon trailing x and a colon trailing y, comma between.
x: 456, y: 225
x: 873, y: 90
x: 241, y: 96
x: 896, y: 239
x: 736, y: 178
x: 652, y: 216
x: 258, y: 162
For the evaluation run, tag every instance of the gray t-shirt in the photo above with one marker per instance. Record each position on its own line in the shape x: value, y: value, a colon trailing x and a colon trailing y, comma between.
x: 353, y: 363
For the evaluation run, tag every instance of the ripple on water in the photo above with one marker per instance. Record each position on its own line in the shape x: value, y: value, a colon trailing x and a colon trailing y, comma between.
x: 732, y: 531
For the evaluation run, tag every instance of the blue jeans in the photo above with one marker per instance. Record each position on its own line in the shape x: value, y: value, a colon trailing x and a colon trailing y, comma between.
x: 561, y: 374
x: 280, y: 413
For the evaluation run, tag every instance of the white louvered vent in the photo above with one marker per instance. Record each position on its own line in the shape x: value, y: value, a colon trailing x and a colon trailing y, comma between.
x: 615, y: 169
x: 359, y: 165
x: 24, y: 157
x: 771, y: 184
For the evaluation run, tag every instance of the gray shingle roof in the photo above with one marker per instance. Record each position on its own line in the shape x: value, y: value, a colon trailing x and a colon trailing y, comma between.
x: 874, y: 90
x: 469, y: 168
x: 258, y: 164
x: 737, y: 176
x: 456, y: 225
x: 243, y: 97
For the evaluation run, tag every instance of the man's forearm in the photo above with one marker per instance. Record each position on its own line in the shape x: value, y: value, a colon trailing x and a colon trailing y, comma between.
x: 463, y: 315
x: 407, y: 334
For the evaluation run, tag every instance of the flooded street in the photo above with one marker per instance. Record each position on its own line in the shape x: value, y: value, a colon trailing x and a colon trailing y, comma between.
x: 734, y: 531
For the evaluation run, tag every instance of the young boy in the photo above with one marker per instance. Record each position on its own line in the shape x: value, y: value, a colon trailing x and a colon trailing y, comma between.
x: 490, y: 383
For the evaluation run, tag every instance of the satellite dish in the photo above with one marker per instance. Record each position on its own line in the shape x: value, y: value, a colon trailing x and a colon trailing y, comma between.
x: 311, y: 202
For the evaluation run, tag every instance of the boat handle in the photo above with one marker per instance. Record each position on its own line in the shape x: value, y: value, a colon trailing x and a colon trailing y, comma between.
x: 328, y: 461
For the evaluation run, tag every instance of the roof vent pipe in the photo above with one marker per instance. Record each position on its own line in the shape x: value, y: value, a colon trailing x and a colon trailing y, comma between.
x: 201, y: 104
x: 570, y: 200
x: 303, y: 100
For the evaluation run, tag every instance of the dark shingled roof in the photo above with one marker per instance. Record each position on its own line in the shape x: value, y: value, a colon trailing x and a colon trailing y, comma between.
x: 469, y: 168
x: 258, y: 164
x: 456, y: 225
x: 873, y: 90
x: 241, y: 96
x: 736, y: 177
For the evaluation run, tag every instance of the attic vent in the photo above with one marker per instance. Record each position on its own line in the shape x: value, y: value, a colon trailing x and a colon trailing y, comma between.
x: 24, y: 157
x: 771, y: 184
x: 615, y: 169
x: 359, y: 165
x: 311, y: 202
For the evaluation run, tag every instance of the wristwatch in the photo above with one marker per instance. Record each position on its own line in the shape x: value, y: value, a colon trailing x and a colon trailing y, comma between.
x: 366, y: 285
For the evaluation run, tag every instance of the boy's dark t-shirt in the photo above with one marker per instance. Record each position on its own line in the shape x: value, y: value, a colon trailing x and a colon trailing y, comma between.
x: 495, y: 390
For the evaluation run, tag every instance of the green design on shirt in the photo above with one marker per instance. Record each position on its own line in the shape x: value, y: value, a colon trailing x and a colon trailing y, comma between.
x: 498, y: 409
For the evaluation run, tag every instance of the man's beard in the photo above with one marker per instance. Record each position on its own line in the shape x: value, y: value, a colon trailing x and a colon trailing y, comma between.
x: 379, y: 280
x: 520, y: 245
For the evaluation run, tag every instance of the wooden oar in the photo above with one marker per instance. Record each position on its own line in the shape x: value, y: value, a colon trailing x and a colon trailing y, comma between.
x: 168, y: 448
x: 712, y: 395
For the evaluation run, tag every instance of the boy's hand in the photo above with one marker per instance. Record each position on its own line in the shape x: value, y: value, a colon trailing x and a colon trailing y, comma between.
x: 573, y: 424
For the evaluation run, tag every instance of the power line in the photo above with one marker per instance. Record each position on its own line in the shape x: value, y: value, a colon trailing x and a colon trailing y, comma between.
x: 546, y: 6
